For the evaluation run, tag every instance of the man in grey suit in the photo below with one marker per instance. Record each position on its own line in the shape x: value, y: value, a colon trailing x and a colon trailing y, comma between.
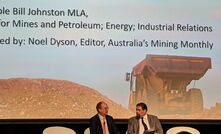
x: 144, y: 123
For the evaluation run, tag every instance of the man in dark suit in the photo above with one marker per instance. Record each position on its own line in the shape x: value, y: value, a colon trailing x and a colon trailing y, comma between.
x: 144, y: 123
x: 102, y: 123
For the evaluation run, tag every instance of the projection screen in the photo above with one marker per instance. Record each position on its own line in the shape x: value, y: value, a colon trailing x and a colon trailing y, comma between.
x: 59, y: 58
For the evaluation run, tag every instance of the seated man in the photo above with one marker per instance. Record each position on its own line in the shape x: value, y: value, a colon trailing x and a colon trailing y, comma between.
x: 144, y: 123
x: 102, y: 123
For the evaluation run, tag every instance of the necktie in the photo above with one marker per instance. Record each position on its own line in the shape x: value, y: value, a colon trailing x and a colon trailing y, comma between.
x: 104, y: 126
x: 144, y: 124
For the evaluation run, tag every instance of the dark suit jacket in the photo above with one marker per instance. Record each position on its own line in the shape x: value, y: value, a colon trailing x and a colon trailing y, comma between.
x: 133, y: 124
x: 96, y: 127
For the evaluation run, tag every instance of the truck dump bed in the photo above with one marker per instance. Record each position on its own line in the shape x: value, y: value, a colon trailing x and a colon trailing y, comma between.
x: 167, y: 66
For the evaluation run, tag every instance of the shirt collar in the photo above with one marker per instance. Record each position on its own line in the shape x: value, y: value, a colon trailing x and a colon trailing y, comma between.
x: 101, y: 117
x: 145, y: 116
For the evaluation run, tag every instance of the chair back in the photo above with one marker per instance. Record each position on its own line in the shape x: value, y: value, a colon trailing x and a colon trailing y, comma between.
x: 182, y: 129
x: 58, y: 130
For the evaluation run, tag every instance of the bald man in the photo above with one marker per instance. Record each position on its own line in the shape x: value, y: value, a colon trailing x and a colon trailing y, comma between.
x: 102, y: 123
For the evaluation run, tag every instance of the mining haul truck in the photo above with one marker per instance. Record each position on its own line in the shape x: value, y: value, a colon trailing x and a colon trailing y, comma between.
x: 161, y: 82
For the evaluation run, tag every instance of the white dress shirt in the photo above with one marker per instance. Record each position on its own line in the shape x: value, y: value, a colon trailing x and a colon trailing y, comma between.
x: 141, y: 127
x: 103, y: 119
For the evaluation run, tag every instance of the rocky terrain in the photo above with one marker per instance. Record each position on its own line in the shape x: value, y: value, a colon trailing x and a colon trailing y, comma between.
x: 213, y: 113
x: 46, y: 98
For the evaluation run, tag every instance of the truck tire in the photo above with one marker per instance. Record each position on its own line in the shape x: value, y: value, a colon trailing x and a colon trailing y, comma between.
x: 132, y: 101
x: 152, y: 100
x: 139, y: 90
x: 196, y: 100
x: 138, y: 95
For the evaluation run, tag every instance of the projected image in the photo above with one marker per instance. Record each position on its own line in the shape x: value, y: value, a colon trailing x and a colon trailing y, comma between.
x: 47, y: 98
x: 161, y: 81
x: 58, y: 59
